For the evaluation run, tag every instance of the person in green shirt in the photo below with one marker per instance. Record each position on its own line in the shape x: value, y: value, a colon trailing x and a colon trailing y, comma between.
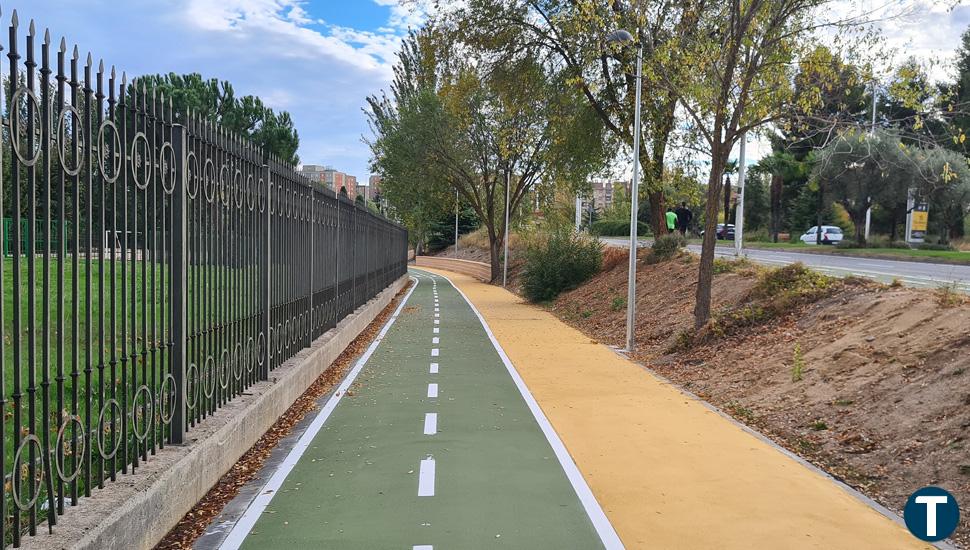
x: 671, y: 220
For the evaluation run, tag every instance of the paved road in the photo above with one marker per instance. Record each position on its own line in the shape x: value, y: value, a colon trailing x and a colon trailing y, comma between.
x: 917, y: 274
x: 435, y: 445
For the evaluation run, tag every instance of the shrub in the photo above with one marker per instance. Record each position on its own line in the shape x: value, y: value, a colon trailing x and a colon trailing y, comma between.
x: 667, y: 246
x: 848, y: 243
x: 900, y: 244
x: 616, y: 228
x: 725, y: 265
x: 559, y: 262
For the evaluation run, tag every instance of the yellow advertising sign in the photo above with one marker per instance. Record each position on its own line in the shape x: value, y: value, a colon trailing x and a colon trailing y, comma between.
x: 919, y: 222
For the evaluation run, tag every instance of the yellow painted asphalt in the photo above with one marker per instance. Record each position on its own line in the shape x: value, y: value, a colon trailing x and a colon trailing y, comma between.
x: 668, y: 471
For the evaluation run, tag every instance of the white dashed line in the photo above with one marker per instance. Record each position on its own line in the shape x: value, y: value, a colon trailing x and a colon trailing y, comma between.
x: 437, y: 315
x: 437, y: 322
x: 437, y: 330
x: 434, y: 352
x: 432, y: 390
x: 435, y: 340
x: 434, y: 368
x: 423, y: 547
x: 430, y: 423
x: 426, y: 478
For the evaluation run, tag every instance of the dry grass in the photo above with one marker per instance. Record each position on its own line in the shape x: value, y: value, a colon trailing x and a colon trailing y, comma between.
x: 613, y: 257
x: 479, y: 239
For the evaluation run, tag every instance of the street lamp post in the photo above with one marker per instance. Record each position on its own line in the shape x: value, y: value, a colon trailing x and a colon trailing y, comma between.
x: 623, y: 37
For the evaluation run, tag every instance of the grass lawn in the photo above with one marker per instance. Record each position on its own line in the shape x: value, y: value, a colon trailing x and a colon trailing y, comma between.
x: 940, y: 256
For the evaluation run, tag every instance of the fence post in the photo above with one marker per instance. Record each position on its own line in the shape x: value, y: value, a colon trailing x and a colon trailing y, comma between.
x: 265, y: 266
x: 179, y: 286
x: 312, y: 219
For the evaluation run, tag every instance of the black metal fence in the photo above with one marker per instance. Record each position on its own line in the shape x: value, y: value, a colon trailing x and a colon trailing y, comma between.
x: 176, y: 265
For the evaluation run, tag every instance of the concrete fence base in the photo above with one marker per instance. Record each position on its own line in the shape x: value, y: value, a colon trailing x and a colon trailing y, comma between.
x: 138, y: 509
x: 479, y: 270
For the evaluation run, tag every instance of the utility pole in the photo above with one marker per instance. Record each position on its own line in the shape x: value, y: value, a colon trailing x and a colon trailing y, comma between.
x: 739, y: 212
x: 456, y: 223
x: 505, y: 266
x: 872, y: 132
x: 579, y: 212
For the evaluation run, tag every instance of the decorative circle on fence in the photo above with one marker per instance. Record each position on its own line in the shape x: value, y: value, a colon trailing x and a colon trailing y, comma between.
x: 250, y: 355
x: 59, y: 444
x: 269, y: 193
x: 250, y: 193
x: 15, y: 477
x: 141, y: 161
x: 237, y: 368
x: 224, y: 369
x: 17, y: 130
x: 224, y: 185
x: 167, y: 167
x: 288, y: 331
x: 105, y: 152
x: 208, y: 368
x: 192, y: 174
x: 272, y: 336
x: 114, y: 406
x: 237, y: 188
x: 261, y: 193
x: 149, y: 415
x: 280, y: 336
x: 62, y: 139
x: 209, y: 179
x: 192, y: 381
x: 260, y: 347
x: 169, y: 397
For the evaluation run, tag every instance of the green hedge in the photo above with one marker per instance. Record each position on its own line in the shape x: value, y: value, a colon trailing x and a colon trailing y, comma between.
x: 616, y: 228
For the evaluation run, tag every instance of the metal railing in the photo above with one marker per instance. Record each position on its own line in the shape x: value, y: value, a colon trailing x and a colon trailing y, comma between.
x: 186, y: 265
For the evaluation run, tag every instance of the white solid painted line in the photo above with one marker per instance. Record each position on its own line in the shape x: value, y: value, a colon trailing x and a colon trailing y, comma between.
x: 434, y: 368
x: 432, y: 390
x: 430, y: 423
x: 596, y: 515
x: 245, y: 524
x: 435, y: 340
x: 434, y: 352
x: 423, y: 547
x: 437, y: 330
x: 426, y: 478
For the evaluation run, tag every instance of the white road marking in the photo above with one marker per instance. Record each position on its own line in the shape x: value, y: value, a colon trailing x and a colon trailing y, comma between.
x: 437, y: 315
x: 437, y: 309
x: 434, y: 368
x: 596, y: 515
x: 426, y: 478
x: 423, y: 547
x: 245, y: 524
x: 434, y: 352
x: 435, y: 340
x: 437, y: 322
x: 432, y: 390
x: 430, y: 423
x: 437, y: 330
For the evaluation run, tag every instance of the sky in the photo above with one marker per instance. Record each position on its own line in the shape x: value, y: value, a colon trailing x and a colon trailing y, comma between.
x: 320, y: 59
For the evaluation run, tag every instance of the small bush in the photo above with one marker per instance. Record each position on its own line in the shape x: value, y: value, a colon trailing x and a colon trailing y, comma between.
x: 560, y: 262
x: 618, y: 303
x: 667, y: 246
x: 848, y: 243
x: 758, y: 236
x: 933, y: 246
x: 724, y: 265
x: 902, y: 245
x: 949, y: 296
x: 616, y: 228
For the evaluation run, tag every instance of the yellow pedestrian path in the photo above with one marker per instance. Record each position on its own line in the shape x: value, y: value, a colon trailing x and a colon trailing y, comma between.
x: 668, y: 471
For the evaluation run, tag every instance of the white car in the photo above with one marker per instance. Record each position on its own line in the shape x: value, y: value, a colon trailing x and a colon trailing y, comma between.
x: 830, y: 235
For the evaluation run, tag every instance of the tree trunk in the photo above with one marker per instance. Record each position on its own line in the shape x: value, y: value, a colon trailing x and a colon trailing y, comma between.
x: 495, y: 255
x: 705, y: 274
x: 658, y: 214
x: 892, y: 225
x: 859, y: 220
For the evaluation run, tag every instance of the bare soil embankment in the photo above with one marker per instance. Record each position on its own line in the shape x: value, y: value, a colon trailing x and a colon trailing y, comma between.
x: 869, y: 382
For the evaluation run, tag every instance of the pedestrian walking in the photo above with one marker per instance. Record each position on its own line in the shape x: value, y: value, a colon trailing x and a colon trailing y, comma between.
x: 684, y: 217
x: 671, y: 220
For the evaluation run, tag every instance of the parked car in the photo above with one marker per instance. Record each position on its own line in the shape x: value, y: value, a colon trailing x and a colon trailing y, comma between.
x: 723, y: 233
x: 830, y: 235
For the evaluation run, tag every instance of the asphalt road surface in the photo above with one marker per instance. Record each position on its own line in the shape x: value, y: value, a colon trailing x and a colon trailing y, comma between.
x: 916, y: 274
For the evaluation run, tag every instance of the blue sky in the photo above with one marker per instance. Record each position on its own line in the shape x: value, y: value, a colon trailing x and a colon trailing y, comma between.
x: 316, y: 59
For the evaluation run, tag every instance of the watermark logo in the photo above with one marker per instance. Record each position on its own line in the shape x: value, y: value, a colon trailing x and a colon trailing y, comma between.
x: 931, y: 514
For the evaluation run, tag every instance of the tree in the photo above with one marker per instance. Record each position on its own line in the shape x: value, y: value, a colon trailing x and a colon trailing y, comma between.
x: 215, y: 100
x: 945, y: 180
x: 859, y: 169
x: 485, y: 123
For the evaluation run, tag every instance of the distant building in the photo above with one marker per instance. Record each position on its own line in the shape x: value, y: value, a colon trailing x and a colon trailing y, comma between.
x: 331, y: 177
x: 373, y: 188
x: 601, y: 195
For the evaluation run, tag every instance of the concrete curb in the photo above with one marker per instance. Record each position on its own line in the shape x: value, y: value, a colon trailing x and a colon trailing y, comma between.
x: 136, y: 511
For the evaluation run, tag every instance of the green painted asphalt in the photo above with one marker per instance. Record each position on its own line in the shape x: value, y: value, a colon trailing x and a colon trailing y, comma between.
x: 497, y: 482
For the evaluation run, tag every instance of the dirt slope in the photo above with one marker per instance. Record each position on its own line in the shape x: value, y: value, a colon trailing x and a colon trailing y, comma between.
x: 883, y: 399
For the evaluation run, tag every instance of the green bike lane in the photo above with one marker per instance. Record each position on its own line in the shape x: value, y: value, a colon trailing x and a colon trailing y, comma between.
x: 436, y: 443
